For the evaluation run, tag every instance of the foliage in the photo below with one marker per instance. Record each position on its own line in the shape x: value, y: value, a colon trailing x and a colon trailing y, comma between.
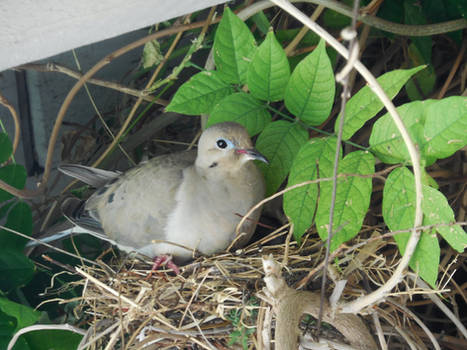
x: 308, y: 94
x: 282, y: 100
x: 17, y: 270
x: 241, y: 334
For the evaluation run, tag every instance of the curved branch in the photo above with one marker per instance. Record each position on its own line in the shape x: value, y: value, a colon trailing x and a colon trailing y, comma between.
x: 392, y: 27
x: 27, y: 194
x: 15, y: 117
x: 38, y: 327
x: 290, y: 304
x: 358, y: 304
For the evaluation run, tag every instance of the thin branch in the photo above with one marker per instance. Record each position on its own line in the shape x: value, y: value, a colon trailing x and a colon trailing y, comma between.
x: 38, y: 327
x: 99, y: 114
x: 358, y: 304
x: 343, y: 78
x: 418, y: 321
x: 454, y: 68
x: 293, y: 44
x: 342, y: 248
x: 138, y: 102
x: 441, y: 305
x: 391, y: 27
x: 15, y: 117
x: 48, y: 245
x: 379, y: 331
x: 55, y: 67
x: 25, y: 193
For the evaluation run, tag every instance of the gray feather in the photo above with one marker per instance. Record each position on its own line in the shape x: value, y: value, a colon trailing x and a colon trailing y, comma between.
x: 91, y: 176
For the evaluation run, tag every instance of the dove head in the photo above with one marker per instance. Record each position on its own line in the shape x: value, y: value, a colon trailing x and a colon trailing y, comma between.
x: 225, y: 147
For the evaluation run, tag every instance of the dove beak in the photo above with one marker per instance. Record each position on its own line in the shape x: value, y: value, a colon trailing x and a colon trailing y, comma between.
x: 252, y: 154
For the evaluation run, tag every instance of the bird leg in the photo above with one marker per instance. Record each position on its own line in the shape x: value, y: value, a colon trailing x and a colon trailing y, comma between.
x: 167, y: 260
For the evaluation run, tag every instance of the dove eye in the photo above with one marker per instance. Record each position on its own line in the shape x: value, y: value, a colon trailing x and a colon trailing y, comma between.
x: 224, y: 144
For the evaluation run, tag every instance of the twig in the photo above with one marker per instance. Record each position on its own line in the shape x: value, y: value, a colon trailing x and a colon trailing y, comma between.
x: 343, y: 78
x: 55, y: 67
x: 441, y: 305
x: 85, y: 342
x: 38, y: 327
x: 402, y: 333
x: 305, y: 183
x: 391, y: 27
x: 379, y: 331
x: 342, y: 249
x: 358, y: 304
x: 72, y: 93
x: 99, y: 114
x: 293, y: 44
x: 107, y: 288
x: 139, y: 101
x: 418, y: 321
x: 15, y: 117
x: 290, y: 304
x: 454, y: 68
x: 48, y: 245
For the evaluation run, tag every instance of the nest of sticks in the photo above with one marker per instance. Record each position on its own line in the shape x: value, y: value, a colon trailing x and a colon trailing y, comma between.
x: 215, y: 302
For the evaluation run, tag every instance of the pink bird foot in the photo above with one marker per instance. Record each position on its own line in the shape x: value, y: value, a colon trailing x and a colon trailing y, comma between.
x: 167, y: 260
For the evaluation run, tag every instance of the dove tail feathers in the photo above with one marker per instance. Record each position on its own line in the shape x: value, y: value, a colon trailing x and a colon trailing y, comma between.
x: 91, y: 176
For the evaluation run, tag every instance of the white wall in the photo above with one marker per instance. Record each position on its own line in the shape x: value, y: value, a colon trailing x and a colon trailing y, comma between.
x: 35, y: 29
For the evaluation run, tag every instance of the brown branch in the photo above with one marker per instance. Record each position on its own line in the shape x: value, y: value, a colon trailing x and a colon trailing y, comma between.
x: 15, y: 117
x: 72, y: 93
x: 289, y: 305
x: 453, y: 71
x: 54, y: 67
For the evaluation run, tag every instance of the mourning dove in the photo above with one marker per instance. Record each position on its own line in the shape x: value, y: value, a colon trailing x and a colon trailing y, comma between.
x: 193, y: 199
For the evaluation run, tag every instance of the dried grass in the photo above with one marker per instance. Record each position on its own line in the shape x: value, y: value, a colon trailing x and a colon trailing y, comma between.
x: 212, y: 302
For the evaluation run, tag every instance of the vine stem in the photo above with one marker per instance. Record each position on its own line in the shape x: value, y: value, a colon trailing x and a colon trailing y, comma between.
x: 342, y: 77
x: 377, y: 295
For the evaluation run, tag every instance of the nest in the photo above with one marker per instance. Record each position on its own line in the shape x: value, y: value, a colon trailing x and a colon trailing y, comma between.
x: 215, y: 302
x: 211, y: 303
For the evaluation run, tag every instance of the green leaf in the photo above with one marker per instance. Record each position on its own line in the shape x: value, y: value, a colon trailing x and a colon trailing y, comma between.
x: 199, y: 94
x: 422, y: 83
x: 52, y: 339
x: 365, y: 104
x: 398, y: 200
x: 234, y: 46
x: 152, y: 54
x: 446, y: 126
x: 19, y: 219
x: 425, y: 259
x: 398, y: 214
x: 316, y: 157
x: 243, y: 109
x: 269, y: 71
x: 335, y: 20
x: 285, y: 36
x: 352, y: 199
x: 261, y: 21
x: 13, y: 317
x: 5, y: 147
x: 309, y: 95
x: 437, y: 211
x: 279, y: 142
x: 413, y: 14
x: 24, y: 315
x: 7, y: 329
x: 386, y: 141
x: 14, y: 175
x: 16, y: 270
